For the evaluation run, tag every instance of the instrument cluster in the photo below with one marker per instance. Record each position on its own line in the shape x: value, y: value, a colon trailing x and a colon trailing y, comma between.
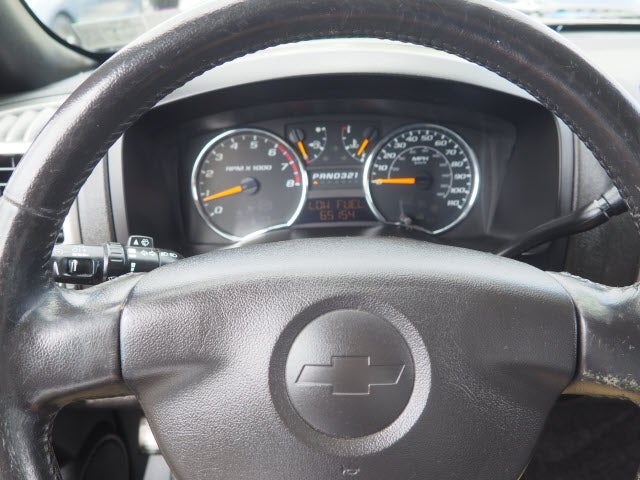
x: 336, y: 155
x: 247, y: 181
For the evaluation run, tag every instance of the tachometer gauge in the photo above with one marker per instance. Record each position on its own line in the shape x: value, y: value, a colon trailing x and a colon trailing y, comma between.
x: 424, y: 176
x: 248, y: 181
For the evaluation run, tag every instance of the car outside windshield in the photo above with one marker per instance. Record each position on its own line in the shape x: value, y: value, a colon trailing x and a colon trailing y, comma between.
x: 107, y: 25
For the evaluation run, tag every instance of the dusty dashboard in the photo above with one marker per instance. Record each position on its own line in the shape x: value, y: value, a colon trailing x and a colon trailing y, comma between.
x: 345, y: 155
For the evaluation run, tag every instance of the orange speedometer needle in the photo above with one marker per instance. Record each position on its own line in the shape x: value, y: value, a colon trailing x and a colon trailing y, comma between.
x: 395, y: 181
x: 224, y: 193
x: 363, y: 146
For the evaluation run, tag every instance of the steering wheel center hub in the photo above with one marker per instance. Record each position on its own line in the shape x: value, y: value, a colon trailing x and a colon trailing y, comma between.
x: 349, y: 373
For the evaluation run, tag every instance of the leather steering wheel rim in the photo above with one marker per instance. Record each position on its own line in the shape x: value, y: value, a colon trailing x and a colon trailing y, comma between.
x: 42, y: 329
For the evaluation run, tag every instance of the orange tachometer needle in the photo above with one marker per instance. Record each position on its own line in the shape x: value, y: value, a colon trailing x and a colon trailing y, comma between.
x: 224, y: 193
x: 363, y: 146
x: 303, y: 150
x: 395, y: 181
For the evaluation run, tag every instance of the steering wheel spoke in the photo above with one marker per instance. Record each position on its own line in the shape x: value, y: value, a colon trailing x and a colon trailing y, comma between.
x: 609, y: 339
x: 69, y: 344
x: 57, y: 345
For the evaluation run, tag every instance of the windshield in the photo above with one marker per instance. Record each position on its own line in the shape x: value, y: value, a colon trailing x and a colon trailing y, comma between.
x: 106, y: 25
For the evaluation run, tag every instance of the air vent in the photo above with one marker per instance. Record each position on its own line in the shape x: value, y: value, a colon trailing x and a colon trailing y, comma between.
x: 19, y: 127
x: 8, y: 164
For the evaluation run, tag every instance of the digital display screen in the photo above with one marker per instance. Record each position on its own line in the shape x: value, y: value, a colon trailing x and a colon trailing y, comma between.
x: 334, y: 178
x: 327, y: 210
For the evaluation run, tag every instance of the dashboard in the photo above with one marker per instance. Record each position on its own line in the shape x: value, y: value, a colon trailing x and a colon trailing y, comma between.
x: 345, y: 155
x: 248, y: 181
x: 525, y: 166
x: 349, y: 138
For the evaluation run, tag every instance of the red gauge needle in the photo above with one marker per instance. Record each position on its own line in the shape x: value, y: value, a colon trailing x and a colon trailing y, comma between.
x: 395, y: 181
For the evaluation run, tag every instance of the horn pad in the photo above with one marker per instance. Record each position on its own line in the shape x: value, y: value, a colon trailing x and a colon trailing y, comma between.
x: 349, y: 373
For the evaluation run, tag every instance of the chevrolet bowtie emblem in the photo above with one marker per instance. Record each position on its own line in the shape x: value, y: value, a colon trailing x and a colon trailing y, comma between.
x: 350, y: 375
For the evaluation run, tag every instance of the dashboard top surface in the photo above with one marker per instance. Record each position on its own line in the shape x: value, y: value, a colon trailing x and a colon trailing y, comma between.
x: 611, y: 50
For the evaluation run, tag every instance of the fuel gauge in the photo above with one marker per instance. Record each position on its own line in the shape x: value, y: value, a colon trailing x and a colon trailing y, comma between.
x: 310, y: 140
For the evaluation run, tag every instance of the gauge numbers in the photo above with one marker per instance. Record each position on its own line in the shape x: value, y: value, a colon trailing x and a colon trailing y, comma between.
x: 423, y: 176
x: 248, y: 181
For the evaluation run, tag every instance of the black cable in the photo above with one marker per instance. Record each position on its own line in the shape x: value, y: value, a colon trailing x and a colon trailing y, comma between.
x: 586, y: 218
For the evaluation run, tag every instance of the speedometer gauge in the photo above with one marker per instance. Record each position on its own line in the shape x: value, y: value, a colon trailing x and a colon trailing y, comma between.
x: 248, y: 181
x: 424, y: 176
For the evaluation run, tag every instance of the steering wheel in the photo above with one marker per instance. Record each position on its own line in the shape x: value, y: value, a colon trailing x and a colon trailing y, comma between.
x: 325, y: 358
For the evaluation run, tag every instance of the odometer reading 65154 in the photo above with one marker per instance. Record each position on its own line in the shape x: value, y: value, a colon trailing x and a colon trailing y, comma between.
x: 248, y: 181
x: 424, y: 176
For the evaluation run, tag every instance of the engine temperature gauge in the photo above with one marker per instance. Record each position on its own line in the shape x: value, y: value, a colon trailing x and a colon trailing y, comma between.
x: 358, y: 139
